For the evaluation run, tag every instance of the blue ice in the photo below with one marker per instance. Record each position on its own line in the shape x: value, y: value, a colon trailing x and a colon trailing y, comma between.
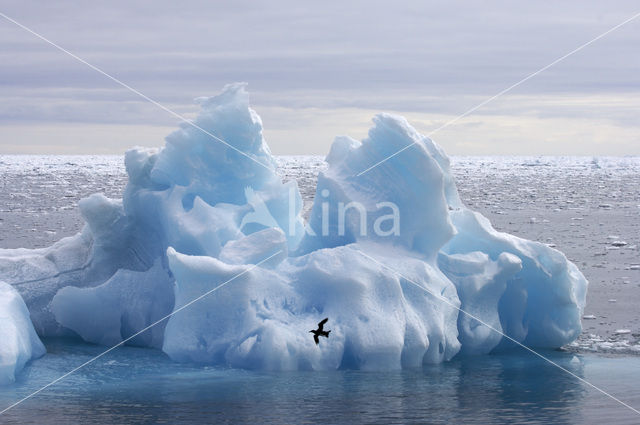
x: 406, y: 273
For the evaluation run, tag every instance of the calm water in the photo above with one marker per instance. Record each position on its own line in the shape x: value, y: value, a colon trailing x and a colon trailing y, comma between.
x: 132, y: 385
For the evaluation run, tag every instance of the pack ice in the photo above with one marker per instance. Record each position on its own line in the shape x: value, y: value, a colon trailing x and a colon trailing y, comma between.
x: 405, y: 272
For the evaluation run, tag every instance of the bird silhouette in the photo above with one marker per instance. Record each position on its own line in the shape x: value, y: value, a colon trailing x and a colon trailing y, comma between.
x: 320, y: 332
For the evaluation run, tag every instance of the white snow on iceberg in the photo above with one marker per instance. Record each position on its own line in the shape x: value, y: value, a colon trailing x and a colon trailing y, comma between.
x: 378, y: 320
x: 19, y: 342
x: 381, y: 251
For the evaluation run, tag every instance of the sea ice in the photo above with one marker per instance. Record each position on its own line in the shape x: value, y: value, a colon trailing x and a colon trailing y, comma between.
x: 19, y: 342
x: 405, y: 272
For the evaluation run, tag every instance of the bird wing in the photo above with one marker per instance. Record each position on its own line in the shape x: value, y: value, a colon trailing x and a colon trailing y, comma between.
x: 321, y: 324
x: 315, y: 338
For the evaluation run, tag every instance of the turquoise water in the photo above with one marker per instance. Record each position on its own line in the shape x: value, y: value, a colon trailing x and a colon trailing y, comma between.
x: 133, y: 385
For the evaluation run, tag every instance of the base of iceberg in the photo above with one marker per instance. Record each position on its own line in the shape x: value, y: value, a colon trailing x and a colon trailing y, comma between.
x: 406, y: 274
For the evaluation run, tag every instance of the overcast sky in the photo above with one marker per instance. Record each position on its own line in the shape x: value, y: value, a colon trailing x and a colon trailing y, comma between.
x: 319, y: 69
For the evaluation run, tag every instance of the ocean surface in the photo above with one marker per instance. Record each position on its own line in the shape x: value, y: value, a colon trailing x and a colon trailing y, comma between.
x: 589, y: 208
x: 135, y: 385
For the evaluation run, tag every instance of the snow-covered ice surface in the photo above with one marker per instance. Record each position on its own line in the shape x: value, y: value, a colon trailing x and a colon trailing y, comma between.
x: 193, y: 198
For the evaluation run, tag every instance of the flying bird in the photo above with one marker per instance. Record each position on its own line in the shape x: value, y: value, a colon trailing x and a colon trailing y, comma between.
x: 320, y: 332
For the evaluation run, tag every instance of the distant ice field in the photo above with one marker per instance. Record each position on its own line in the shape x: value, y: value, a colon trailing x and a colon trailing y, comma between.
x: 589, y: 208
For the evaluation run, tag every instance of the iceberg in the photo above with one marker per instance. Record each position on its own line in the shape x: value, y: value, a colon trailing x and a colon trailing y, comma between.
x: 210, y: 244
x: 20, y: 343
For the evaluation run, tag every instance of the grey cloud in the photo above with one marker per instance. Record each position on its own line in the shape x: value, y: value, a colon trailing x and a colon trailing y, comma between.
x: 429, y: 57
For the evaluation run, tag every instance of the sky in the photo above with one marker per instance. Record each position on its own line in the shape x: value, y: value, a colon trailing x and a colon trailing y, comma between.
x: 316, y: 70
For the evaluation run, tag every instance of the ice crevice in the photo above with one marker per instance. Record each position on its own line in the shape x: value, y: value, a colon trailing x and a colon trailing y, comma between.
x: 196, y: 213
